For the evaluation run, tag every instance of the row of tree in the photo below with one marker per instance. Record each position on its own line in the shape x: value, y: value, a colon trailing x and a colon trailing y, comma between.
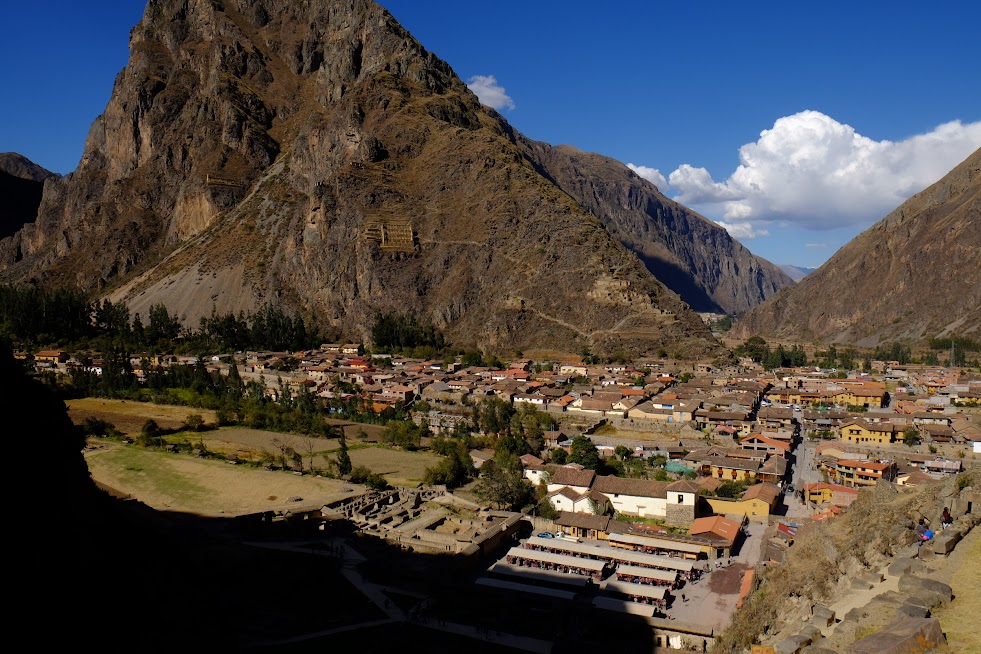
x: 757, y: 349
x: 34, y: 315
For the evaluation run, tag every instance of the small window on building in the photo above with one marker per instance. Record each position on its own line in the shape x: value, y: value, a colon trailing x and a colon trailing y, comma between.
x: 681, y: 499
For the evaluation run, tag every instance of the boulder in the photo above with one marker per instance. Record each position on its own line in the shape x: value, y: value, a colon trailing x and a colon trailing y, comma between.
x: 902, y: 566
x: 946, y: 543
x: 791, y: 645
x: 922, y: 599
x: 939, y: 591
x: 910, y: 610
x: 899, y: 567
x: 812, y: 632
x: 871, y: 576
x: 821, y: 616
x: 861, y: 584
x: 904, y: 636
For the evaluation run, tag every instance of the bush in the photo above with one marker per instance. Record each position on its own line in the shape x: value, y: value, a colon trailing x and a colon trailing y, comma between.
x: 95, y: 427
x: 362, y: 475
x: 194, y: 422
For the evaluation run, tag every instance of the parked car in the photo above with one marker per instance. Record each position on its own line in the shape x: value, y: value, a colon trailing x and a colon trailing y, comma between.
x: 545, y: 534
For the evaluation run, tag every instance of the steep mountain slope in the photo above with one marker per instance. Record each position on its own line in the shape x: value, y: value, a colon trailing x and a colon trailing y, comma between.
x: 915, y: 274
x: 316, y: 156
x: 21, y: 183
x: 693, y: 256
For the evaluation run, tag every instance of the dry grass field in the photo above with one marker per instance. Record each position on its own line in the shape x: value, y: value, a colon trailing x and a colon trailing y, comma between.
x: 960, y: 618
x: 175, y: 482
x: 129, y: 416
x: 252, y: 444
x: 399, y: 467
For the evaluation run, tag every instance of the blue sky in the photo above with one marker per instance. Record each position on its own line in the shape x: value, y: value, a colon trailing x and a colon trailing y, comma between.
x: 863, y: 103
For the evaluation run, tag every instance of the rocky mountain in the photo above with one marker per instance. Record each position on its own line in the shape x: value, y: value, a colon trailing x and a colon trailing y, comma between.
x: 693, y: 256
x: 21, y: 184
x: 316, y: 156
x: 20, y: 166
x: 913, y: 275
x: 796, y: 273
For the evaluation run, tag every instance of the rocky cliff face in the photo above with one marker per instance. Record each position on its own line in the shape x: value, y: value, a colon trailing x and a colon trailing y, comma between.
x: 913, y: 275
x: 693, y: 256
x: 316, y: 156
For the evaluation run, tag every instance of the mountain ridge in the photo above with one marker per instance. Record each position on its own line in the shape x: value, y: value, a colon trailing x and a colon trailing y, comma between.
x: 319, y: 158
x: 913, y: 275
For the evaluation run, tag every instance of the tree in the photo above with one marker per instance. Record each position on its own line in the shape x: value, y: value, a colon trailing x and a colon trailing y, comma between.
x: 911, y: 436
x: 344, y: 466
x: 584, y: 452
x: 730, y: 488
x: 503, y: 487
x: 754, y: 347
x: 559, y: 456
x: 286, y: 451
x: 150, y: 433
x: 622, y: 452
x: 453, y: 471
x: 362, y: 475
x: 96, y: 427
x: 406, y: 435
x: 194, y: 422
x: 546, y: 510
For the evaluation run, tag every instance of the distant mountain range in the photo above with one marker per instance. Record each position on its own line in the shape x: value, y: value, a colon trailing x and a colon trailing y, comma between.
x: 21, y: 186
x: 914, y: 275
x: 796, y: 273
x: 317, y: 157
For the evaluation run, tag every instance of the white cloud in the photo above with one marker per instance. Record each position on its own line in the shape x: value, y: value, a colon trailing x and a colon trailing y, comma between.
x: 816, y: 246
x: 652, y: 175
x: 814, y: 172
x: 489, y: 92
x: 742, y: 229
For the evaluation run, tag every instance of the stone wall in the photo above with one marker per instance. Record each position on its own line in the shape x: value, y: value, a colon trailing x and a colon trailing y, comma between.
x: 679, y: 515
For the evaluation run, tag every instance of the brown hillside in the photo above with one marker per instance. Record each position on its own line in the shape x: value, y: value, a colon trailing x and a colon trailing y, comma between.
x: 693, y: 256
x: 317, y: 157
x: 913, y: 275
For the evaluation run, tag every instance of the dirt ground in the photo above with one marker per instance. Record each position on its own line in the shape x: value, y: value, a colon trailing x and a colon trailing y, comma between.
x: 727, y: 580
x: 176, y: 482
x: 400, y: 468
x: 128, y: 416
x: 669, y: 438
x: 959, y: 618
x: 248, y: 443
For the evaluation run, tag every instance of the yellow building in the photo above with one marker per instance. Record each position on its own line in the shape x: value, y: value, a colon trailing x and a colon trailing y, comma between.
x: 822, y: 493
x: 861, y: 431
x: 868, y: 397
x: 851, y: 472
x: 733, y: 469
